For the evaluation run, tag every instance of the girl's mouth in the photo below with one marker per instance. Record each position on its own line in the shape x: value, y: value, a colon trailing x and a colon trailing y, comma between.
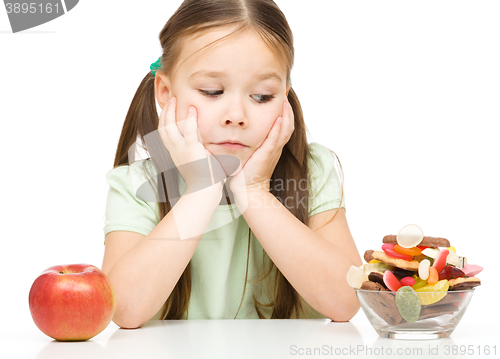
x: 233, y: 146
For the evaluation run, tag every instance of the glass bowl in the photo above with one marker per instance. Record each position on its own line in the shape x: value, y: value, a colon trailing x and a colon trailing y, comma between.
x: 437, y: 320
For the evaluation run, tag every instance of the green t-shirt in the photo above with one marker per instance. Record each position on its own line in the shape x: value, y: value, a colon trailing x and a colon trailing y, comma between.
x: 219, y: 262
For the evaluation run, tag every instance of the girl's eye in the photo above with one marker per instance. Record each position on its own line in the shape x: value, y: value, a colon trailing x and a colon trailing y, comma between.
x: 263, y: 98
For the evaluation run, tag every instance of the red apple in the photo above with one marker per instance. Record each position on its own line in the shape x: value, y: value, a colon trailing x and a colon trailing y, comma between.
x: 72, y: 302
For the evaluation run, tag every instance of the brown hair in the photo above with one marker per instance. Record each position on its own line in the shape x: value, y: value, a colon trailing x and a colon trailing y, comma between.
x: 199, y: 16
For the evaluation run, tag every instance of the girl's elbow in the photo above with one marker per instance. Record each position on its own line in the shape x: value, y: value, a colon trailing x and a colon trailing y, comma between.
x: 345, y: 313
x: 127, y: 321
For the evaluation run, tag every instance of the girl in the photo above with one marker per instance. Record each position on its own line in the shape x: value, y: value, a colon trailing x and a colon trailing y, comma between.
x: 185, y: 241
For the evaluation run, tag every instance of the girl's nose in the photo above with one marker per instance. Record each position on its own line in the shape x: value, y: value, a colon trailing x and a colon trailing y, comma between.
x: 230, y: 122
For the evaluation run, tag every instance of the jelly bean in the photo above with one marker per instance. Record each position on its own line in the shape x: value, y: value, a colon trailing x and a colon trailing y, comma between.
x: 471, y: 270
x: 388, y: 246
x: 419, y: 283
x: 414, y: 251
x: 391, y: 281
x: 408, y: 303
x: 440, y: 261
x: 452, y: 249
x: 423, y: 269
x: 409, y: 236
x: 433, y: 276
x: 408, y: 281
x: 430, y: 294
x: 389, y: 250
x: 374, y: 261
x: 450, y: 272
x: 356, y: 276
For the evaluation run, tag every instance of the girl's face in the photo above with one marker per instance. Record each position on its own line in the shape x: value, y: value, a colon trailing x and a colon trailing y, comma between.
x: 237, y: 88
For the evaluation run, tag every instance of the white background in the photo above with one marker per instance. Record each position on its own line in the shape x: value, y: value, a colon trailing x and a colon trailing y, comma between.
x: 405, y: 93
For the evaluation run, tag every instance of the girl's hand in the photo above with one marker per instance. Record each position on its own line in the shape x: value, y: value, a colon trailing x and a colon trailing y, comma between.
x: 187, y: 151
x: 257, y: 172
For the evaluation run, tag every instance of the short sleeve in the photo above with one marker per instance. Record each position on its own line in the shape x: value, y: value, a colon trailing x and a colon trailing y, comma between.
x: 325, y: 190
x: 124, y: 210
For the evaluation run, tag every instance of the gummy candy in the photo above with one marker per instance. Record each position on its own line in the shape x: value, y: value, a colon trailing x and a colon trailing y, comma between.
x: 450, y: 272
x: 414, y: 251
x: 409, y: 236
x: 356, y: 276
x: 419, y: 283
x: 407, y: 281
x: 408, y: 303
x: 423, y: 269
x: 433, y: 276
x: 453, y: 259
x: 376, y: 267
x: 440, y: 261
x: 431, y: 252
x: 430, y: 294
x: 389, y: 250
x: 391, y: 281
x: 471, y: 270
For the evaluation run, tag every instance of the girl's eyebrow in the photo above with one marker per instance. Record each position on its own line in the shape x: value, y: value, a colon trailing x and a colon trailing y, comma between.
x: 218, y: 74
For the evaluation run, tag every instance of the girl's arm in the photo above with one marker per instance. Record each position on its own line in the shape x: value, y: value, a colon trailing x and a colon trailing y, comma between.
x: 145, y: 275
x: 314, y: 262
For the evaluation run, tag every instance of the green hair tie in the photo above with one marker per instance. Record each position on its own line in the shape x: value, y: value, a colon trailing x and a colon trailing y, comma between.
x: 157, y: 65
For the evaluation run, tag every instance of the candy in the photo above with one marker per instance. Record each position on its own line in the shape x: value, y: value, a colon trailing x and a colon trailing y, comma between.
x: 376, y: 267
x: 471, y: 270
x: 409, y: 236
x: 388, y: 246
x: 430, y: 294
x: 408, y: 303
x: 452, y: 249
x: 450, y: 272
x: 423, y: 269
x: 407, y: 281
x: 414, y: 251
x: 453, y: 259
x: 431, y: 252
x: 433, y: 276
x: 391, y: 281
x: 374, y: 261
x: 389, y: 250
x: 419, y: 283
x: 440, y: 261
x: 356, y: 276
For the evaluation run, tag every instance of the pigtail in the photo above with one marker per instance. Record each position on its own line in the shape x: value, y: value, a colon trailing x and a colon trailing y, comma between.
x: 142, y: 118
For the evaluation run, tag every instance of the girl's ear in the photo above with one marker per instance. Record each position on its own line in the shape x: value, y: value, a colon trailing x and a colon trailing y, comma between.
x: 162, y: 88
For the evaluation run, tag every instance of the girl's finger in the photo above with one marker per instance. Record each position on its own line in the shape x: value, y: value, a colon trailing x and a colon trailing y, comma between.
x: 191, y: 126
x: 288, y: 124
x: 171, y: 128
x: 273, y: 135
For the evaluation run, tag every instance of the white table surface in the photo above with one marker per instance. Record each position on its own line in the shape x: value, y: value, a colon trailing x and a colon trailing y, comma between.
x: 256, y: 339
